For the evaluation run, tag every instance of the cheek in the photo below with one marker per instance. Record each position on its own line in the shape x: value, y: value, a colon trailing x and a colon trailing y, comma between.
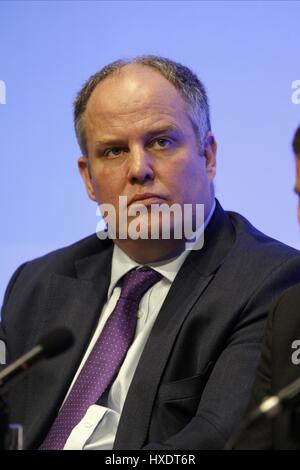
x: 107, y: 184
x: 189, y: 176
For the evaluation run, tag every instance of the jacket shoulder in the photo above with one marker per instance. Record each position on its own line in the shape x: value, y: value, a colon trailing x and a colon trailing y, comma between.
x: 60, y: 261
x: 258, y: 241
x: 80, y: 249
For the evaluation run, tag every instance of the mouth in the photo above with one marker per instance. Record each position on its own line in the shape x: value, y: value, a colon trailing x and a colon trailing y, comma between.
x: 147, y: 199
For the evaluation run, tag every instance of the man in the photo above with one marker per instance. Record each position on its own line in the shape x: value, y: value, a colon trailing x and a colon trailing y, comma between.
x: 279, y: 365
x: 184, y: 378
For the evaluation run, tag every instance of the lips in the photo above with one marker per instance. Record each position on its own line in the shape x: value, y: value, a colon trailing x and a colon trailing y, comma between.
x: 147, y: 199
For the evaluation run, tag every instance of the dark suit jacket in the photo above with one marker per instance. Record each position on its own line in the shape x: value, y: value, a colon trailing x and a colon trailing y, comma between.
x: 277, y: 369
x: 195, y: 374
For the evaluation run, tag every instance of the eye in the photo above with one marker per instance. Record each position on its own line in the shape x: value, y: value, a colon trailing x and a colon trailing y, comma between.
x: 113, y: 152
x: 162, y: 143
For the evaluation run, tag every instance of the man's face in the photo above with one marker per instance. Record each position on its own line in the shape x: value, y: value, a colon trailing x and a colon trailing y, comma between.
x: 141, y: 144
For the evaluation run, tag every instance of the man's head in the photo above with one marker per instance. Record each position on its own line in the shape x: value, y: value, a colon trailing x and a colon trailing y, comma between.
x: 141, y: 139
x: 296, y: 149
x: 182, y: 78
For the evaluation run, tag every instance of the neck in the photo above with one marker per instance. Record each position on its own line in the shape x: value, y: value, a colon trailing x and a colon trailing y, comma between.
x: 151, y: 251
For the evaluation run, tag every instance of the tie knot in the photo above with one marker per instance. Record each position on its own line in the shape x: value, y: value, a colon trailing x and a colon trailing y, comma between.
x: 136, y: 282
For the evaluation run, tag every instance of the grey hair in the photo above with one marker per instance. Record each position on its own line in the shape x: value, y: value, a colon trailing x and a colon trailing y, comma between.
x: 185, y: 81
x: 296, y: 142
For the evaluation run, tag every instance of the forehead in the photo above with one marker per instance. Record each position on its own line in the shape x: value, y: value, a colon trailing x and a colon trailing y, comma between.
x: 134, y: 90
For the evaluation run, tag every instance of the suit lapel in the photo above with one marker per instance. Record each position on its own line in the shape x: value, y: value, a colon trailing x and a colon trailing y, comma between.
x: 191, y: 281
x: 74, y: 302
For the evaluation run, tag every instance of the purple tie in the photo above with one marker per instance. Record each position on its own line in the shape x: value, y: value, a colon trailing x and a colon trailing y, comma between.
x: 105, y: 359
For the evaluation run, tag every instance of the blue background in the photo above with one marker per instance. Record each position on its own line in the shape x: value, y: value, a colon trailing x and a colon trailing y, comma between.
x: 246, y: 53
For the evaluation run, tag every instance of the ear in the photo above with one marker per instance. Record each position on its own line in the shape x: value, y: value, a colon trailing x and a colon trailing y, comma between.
x: 84, y: 169
x: 210, y: 153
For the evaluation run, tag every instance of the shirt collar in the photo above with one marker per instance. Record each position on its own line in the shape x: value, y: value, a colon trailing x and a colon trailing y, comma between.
x: 121, y: 263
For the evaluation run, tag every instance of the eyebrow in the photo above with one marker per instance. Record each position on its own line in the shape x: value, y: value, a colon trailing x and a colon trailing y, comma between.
x: 150, y: 134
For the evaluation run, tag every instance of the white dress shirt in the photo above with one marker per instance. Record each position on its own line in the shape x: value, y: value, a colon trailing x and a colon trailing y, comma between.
x: 98, y: 428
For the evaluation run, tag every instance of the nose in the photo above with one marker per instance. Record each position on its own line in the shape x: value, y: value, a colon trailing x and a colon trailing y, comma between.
x: 140, y: 170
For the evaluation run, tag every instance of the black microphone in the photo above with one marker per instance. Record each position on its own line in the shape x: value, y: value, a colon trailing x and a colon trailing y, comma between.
x: 270, y: 407
x: 50, y: 345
